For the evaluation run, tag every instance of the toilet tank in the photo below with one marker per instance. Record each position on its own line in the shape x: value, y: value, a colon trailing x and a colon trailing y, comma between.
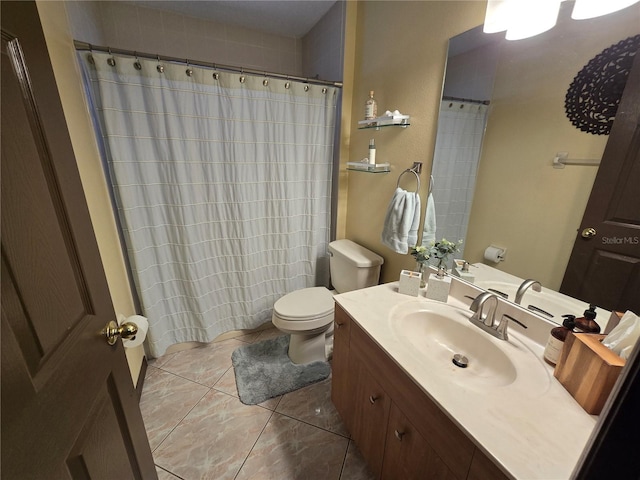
x: 352, y: 266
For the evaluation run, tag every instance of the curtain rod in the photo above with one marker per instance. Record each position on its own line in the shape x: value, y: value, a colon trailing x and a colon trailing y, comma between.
x: 467, y: 100
x: 231, y: 68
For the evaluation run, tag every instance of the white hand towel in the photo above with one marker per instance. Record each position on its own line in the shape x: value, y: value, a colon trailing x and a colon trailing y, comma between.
x: 429, y: 228
x: 400, y: 228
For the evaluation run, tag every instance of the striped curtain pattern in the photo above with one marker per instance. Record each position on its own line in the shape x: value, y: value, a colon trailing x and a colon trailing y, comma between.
x: 222, y: 188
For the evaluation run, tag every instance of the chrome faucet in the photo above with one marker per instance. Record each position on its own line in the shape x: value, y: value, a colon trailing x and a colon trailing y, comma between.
x: 534, y: 284
x: 487, y: 321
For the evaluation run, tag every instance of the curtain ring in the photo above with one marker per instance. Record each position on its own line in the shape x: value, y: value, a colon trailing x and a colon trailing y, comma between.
x: 306, y: 88
x: 216, y: 75
x: 189, y: 70
x: 265, y: 82
x: 324, y: 89
x: 287, y: 84
x: 160, y: 67
x: 242, y: 77
x: 137, y: 65
x: 111, y: 61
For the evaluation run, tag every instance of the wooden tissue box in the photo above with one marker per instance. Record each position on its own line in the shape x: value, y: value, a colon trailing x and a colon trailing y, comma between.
x: 588, y: 370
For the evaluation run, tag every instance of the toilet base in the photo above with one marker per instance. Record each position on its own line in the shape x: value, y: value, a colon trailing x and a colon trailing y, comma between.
x: 304, y: 348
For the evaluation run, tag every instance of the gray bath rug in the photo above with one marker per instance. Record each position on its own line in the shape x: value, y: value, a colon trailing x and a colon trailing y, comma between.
x: 263, y: 370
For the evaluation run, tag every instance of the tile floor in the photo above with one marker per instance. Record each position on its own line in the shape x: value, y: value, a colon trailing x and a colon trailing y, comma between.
x: 199, y: 429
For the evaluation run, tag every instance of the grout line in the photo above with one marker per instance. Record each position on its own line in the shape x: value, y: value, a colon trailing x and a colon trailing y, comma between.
x: 344, y: 460
x: 168, y: 471
x: 347, y: 436
x: 182, y: 419
x: 190, y: 379
x: 254, y: 444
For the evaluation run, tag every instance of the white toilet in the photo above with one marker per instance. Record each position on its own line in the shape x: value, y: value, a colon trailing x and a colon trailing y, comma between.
x: 307, y: 314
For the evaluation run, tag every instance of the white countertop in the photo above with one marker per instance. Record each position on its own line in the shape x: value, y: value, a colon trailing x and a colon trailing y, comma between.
x: 532, y: 436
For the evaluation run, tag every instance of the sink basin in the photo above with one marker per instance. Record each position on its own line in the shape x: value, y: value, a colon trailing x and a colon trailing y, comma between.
x: 553, y: 304
x: 434, y: 332
x: 441, y: 331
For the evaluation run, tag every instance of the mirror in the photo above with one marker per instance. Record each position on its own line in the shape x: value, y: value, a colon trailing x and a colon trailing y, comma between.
x: 518, y: 200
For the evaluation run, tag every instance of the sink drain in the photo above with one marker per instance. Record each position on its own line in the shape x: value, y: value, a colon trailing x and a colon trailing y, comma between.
x: 460, y: 361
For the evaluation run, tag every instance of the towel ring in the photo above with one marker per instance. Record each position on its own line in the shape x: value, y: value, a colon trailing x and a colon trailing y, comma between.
x: 412, y: 171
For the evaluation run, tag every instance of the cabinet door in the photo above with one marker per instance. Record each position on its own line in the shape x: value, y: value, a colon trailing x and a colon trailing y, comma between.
x: 340, y: 389
x: 370, y: 413
x: 408, y: 455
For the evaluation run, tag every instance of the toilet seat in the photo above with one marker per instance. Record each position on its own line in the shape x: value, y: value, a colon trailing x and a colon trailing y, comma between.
x: 304, y: 310
x: 305, y: 304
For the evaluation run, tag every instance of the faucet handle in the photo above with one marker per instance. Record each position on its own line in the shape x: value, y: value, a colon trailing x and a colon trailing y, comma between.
x: 501, y: 330
x: 504, y: 323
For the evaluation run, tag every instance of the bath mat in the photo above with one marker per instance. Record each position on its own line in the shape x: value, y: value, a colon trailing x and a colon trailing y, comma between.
x: 263, y: 370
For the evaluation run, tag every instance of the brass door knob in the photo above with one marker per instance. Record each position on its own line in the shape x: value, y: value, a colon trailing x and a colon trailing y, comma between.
x: 589, y: 232
x: 112, y: 331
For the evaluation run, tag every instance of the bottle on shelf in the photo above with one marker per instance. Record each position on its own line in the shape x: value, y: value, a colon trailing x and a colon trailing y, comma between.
x: 372, y: 152
x: 370, y: 107
x: 556, y: 339
x: 587, y: 323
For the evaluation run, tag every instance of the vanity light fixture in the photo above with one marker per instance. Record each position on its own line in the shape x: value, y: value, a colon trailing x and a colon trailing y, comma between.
x: 526, y: 18
x: 521, y: 18
x: 595, y: 8
x: 531, y: 18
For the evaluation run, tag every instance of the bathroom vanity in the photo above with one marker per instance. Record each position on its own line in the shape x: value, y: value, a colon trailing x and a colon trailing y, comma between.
x: 414, y: 416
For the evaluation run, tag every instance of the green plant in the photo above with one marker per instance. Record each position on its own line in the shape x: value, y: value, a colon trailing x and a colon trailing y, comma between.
x: 438, y: 252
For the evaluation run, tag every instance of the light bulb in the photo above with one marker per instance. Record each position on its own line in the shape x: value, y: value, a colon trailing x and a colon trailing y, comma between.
x: 531, y: 18
x: 497, y: 16
x: 595, y: 8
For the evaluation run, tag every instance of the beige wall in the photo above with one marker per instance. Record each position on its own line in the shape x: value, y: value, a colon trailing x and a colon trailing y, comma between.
x: 60, y: 45
x: 122, y: 25
x: 400, y: 53
x: 521, y: 202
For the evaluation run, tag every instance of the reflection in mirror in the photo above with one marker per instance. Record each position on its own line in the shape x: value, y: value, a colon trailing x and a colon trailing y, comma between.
x: 468, y: 85
x: 520, y: 201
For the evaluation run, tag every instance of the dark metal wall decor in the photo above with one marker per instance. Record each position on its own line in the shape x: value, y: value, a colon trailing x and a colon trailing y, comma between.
x: 592, y: 100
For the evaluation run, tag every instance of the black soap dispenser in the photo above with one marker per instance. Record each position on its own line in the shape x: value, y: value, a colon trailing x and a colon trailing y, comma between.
x: 587, y: 323
x: 556, y: 339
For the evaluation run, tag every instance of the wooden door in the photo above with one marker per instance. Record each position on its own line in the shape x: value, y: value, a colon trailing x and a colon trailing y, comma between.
x: 605, y: 268
x: 408, y: 455
x: 69, y: 408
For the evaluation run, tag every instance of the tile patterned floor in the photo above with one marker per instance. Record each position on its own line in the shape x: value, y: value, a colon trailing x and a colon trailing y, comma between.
x: 199, y: 429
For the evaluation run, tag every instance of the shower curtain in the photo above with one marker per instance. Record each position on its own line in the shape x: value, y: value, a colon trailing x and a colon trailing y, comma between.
x: 455, y: 164
x: 222, y: 184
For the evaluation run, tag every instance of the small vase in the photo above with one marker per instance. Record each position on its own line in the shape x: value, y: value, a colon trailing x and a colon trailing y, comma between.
x: 423, y: 268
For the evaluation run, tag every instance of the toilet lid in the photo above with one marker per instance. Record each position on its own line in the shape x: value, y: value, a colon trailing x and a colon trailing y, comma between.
x: 305, y: 304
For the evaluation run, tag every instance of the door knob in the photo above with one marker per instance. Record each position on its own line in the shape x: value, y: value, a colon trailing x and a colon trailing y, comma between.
x: 589, y: 232
x: 112, y: 331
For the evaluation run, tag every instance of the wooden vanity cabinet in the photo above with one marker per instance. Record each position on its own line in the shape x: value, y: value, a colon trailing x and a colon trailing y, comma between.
x: 340, y: 388
x: 408, y: 455
x: 369, y: 416
x: 400, y: 432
